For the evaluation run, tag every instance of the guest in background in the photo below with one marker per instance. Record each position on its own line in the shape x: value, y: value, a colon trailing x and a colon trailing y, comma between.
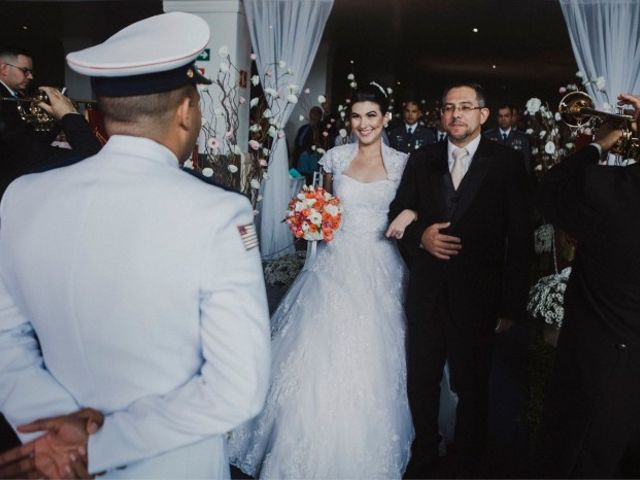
x: 590, y: 425
x: 308, y: 139
x: 507, y: 135
x: 411, y: 135
x: 22, y: 148
x: 440, y: 132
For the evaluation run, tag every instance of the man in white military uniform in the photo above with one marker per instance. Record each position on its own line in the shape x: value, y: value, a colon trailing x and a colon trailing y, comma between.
x: 142, y: 283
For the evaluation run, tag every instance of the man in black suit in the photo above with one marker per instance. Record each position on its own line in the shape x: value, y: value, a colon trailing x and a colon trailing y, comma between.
x: 591, y: 420
x: 411, y: 135
x: 510, y: 136
x: 22, y: 149
x: 469, y: 256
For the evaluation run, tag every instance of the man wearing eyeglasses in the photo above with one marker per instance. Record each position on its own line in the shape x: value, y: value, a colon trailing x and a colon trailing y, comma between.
x: 22, y: 149
x: 469, y: 254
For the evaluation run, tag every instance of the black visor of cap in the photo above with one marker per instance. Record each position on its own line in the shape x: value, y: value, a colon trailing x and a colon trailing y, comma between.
x: 148, y: 83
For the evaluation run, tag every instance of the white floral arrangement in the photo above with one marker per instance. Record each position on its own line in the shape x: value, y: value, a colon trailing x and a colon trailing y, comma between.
x: 546, y: 298
x: 283, y: 271
x: 543, y: 238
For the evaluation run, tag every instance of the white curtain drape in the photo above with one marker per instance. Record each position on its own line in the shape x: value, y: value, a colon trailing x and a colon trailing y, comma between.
x: 605, y: 36
x: 288, y: 30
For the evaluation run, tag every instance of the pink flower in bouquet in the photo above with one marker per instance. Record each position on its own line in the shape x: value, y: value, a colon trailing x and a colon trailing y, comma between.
x: 314, y: 214
x: 254, y: 144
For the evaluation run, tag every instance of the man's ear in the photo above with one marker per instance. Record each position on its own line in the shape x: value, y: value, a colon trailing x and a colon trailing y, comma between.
x: 484, y: 115
x: 184, y: 112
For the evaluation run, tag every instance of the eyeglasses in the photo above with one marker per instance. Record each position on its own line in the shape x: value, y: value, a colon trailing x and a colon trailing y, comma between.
x: 25, y: 71
x: 450, y: 108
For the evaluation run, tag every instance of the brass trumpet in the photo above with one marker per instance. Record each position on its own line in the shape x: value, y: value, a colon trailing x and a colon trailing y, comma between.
x: 36, y: 116
x: 576, y: 110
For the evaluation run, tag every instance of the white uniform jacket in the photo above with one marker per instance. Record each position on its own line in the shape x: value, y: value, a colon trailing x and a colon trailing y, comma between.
x: 147, y: 306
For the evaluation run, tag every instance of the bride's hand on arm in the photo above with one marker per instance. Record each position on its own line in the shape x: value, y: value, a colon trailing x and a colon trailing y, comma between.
x: 400, y: 223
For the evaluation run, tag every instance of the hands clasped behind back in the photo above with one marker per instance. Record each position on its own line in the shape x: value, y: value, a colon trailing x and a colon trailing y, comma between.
x: 438, y: 244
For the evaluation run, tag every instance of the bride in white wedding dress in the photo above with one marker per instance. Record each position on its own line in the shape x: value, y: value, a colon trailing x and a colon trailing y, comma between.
x: 337, y: 406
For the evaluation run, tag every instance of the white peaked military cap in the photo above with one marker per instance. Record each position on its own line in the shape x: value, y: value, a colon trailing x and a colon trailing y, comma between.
x: 154, y: 55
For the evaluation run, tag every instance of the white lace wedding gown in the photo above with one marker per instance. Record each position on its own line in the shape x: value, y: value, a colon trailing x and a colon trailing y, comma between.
x: 337, y: 406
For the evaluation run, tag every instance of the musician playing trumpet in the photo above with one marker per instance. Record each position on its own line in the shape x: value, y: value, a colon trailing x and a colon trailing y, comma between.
x: 22, y: 149
x: 590, y: 426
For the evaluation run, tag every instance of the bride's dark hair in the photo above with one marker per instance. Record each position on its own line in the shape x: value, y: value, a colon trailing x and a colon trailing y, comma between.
x: 372, y: 93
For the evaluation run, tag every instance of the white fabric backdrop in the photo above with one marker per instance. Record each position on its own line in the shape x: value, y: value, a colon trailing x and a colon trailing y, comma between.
x: 605, y: 36
x: 288, y: 30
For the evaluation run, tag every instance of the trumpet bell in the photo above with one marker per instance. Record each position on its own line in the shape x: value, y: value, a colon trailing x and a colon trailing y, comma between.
x: 573, y: 107
x: 34, y: 115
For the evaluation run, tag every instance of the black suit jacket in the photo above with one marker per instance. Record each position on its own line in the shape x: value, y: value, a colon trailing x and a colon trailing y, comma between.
x: 23, y: 150
x: 598, y: 354
x: 402, y: 141
x: 490, y: 212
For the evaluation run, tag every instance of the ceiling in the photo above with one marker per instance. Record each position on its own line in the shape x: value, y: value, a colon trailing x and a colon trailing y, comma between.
x: 521, y: 47
x: 422, y: 44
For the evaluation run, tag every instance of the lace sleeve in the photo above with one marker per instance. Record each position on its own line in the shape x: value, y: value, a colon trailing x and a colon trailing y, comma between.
x: 327, y: 162
x: 396, y: 165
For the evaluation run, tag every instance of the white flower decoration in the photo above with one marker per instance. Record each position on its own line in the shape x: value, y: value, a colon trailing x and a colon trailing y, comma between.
x: 301, y: 118
x: 231, y: 168
x: 255, y: 183
x: 267, y: 113
x: 291, y: 98
x: 322, y: 99
x: 253, y: 102
x: 224, y: 67
x: 255, y: 80
x: 533, y: 105
x: 282, y: 64
x: 550, y: 147
x: 557, y: 116
x: 351, y: 77
x: 600, y: 83
x: 207, y: 172
x: 343, y: 133
x: 271, y: 92
x: 223, y: 51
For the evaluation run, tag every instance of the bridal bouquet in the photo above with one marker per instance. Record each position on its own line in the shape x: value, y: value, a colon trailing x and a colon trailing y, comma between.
x: 314, y: 214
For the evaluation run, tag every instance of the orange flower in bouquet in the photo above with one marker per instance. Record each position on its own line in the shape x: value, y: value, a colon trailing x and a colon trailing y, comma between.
x: 314, y: 214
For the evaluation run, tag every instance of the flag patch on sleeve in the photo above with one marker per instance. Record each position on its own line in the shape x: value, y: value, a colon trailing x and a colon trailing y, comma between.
x: 248, y: 235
